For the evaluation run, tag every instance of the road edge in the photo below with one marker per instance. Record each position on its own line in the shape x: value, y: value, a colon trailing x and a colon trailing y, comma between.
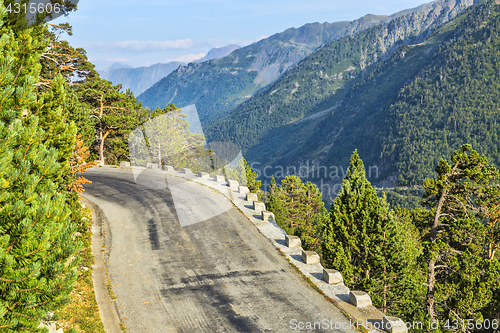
x: 107, y: 309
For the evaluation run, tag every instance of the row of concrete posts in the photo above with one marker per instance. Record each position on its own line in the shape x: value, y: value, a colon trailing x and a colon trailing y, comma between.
x: 359, y: 299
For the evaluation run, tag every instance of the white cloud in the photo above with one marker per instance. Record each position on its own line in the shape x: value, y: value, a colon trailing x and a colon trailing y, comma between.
x: 188, y: 57
x: 118, y: 59
x: 143, y: 45
x: 224, y: 42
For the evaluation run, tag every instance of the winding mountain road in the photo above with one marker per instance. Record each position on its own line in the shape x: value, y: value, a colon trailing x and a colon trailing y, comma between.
x: 214, y: 274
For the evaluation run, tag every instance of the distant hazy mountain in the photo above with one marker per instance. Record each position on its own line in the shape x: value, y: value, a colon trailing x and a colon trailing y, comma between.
x: 140, y: 78
x: 217, y: 86
x: 218, y: 52
x: 114, y: 66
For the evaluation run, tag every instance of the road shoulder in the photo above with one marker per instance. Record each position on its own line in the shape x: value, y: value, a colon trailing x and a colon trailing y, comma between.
x: 107, y: 310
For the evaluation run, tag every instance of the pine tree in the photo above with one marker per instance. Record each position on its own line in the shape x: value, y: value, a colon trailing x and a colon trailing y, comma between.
x: 251, y: 177
x: 298, y: 209
x: 59, y: 133
x: 461, y: 276
x: 396, y: 281
x: 311, y: 217
x: 245, y: 176
x: 37, y: 237
x: 272, y: 202
x: 115, y: 113
x: 374, y: 249
x: 354, y: 215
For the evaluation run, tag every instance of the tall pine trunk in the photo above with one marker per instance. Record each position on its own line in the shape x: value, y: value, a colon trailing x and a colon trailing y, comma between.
x: 431, y: 272
x: 101, y: 145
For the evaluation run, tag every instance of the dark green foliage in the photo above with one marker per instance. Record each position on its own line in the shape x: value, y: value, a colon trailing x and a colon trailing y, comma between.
x: 374, y: 249
x: 218, y: 86
x: 115, y: 113
x: 252, y: 183
x: 37, y: 235
x: 59, y: 132
x: 355, y: 214
x: 298, y: 209
x: 62, y: 60
x: 399, y: 277
x: 396, y: 278
x: 415, y: 105
x: 462, y: 278
x: 273, y: 204
x: 406, y: 198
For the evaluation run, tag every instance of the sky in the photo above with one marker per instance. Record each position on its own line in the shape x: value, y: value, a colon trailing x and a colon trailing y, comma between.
x: 142, y: 33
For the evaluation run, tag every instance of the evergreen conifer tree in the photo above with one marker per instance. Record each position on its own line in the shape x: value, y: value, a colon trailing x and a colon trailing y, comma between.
x: 37, y: 237
x: 374, y: 250
x: 245, y: 176
x: 354, y: 215
x: 116, y: 115
x: 462, y: 277
x: 273, y: 203
x: 251, y: 177
x: 298, y: 209
x: 397, y: 281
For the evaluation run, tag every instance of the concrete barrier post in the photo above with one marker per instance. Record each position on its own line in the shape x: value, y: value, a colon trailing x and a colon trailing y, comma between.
x: 243, y: 190
x: 186, y: 171
x: 251, y: 197
x: 394, y: 325
x: 169, y: 168
x: 310, y: 257
x: 292, y: 241
x: 332, y: 276
x: 259, y: 206
x: 219, y: 179
x: 233, y: 184
x: 360, y: 299
x: 203, y: 175
x: 124, y: 164
x: 266, y: 215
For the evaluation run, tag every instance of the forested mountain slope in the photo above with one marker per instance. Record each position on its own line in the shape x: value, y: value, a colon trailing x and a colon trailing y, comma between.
x: 217, y: 86
x: 365, y: 92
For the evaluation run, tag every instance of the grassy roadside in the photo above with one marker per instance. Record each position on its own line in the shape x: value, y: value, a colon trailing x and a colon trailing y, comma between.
x: 82, y: 313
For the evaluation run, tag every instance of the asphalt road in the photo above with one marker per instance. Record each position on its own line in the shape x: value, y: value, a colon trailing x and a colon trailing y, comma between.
x: 182, y: 259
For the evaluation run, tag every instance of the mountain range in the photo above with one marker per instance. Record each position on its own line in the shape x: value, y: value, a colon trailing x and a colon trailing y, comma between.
x: 218, y: 52
x: 141, y: 78
x: 404, y: 90
x: 217, y: 86
x: 405, y: 94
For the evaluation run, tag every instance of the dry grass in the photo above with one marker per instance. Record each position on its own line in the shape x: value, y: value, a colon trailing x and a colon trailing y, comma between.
x: 82, y: 313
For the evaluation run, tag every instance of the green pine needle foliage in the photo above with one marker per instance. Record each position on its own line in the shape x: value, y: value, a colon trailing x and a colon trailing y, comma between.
x: 37, y: 237
x: 298, y: 209
x: 373, y: 248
